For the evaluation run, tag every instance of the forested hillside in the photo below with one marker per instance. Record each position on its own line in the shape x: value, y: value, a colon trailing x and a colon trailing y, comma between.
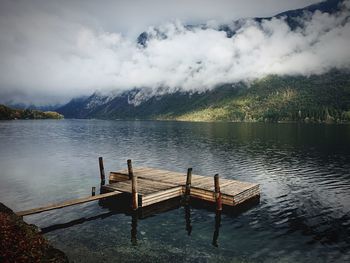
x: 318, y: 98
x: 7, y: 113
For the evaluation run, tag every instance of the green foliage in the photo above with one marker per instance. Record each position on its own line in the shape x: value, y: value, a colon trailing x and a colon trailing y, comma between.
x: 7, y: 113
x: 324, y: 98
x: 317, y: 98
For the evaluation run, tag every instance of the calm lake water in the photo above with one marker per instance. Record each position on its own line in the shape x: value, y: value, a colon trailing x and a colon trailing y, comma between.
x: 303, y: 170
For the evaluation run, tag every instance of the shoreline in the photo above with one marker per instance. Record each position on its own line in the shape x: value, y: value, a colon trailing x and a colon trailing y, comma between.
x: 213, y: 121
x: 21, y: 242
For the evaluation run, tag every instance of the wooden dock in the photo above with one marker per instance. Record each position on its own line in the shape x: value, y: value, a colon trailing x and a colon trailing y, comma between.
x: 150, y: 186
x: 155, y: 185
x: 151, y: 191
x: 66, y: 203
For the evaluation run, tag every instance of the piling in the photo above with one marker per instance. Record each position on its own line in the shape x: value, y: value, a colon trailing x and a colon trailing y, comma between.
x: 102, y: 170
x: 188, y: 219
x: 135, y: 203
x: 93, y: 191
x: 130, y: 171
x: 217, y: 228
x: 134, y: 218
x: 188, y: 185
x: 218, y: 197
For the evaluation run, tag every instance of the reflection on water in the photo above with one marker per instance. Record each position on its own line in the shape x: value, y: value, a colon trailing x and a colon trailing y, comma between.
x: 121, y: 204
x: 134, y: 228
x: 74, y: 222
x: 303, y: 170
x: 188, y: 219
x: 217, y: 228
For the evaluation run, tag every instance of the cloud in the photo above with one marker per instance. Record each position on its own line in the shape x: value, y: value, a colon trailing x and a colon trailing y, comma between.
x: 50, y: 57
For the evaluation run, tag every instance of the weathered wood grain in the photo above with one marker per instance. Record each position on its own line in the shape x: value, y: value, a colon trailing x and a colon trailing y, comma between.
x: 66, y: 203
x: 156, y: 185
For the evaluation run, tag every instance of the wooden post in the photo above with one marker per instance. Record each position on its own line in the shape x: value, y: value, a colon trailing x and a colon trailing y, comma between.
x: 130, y: 171
x: 102, y: 171
x: 217, y: 193
x: 217, y: 228
x: 135, y: 201
x: 188, y: 184
x: 134, y: 218
x: 93, y: 191
x: 188, y: 219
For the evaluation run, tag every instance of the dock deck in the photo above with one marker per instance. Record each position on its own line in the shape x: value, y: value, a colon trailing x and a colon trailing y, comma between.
x: 149, y: 186
x: 155, y: 185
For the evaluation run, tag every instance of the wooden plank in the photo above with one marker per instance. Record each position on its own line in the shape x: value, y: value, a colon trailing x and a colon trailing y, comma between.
x: 66, y: 203
x: 237, y: 188
x: 159, y: 175
x: 116, y: 177
x: 143, y: 175
x: 175, y: 190
x: 161, y: 198
x: 159, y: 193
x: 210, y: 196
x: 155, y: 183
x: 144, y: 186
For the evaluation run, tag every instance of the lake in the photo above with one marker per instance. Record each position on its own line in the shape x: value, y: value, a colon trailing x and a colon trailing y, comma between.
x: 303, y: 171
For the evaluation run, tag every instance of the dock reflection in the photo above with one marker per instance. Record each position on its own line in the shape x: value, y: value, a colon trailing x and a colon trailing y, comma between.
x: 82, y: 220
x: 188, y: 219
x: 116, y: 205
x: 134, y: 219
x: 217, y: 228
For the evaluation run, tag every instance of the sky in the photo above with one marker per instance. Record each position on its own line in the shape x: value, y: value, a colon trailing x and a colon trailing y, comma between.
x: 52, y: 51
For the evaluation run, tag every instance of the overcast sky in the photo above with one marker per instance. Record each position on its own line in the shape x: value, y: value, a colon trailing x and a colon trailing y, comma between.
x: 52, y: 51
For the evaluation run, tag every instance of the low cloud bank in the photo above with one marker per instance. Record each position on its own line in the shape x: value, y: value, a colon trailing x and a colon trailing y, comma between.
x: 43, y: 65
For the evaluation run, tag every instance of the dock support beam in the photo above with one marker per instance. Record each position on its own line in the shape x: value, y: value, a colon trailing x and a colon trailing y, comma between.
x: 217, y: 228
x: 134, y: 218
x: 102, y: 171
x: 188, y: 185
x: 188, y: 219
x: 130, y: 171
x: 217, y: 193
x: 135, y: 199
x: 93, y: 191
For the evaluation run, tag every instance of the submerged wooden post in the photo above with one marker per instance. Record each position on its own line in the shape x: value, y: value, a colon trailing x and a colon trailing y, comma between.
x: 217, y: 228
x: 134, y: 218
x: 188, y: 184
x: 135, y: 201
x: 188, y: 219
x: 217, y: 193
x: 102, y: 170
x: 130, y: 171
x: 93, y: 191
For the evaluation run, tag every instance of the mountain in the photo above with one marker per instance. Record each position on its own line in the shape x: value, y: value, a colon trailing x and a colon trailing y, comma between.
x: 292, y: 17
x: 7, y: 113
x: 317, y: 98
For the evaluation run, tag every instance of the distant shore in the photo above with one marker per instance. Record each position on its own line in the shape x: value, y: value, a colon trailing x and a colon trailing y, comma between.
x: 7, y: 113
x: 307, y: 121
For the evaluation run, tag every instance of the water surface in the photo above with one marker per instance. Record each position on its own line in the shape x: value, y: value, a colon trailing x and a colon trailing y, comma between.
x: 303, y: 170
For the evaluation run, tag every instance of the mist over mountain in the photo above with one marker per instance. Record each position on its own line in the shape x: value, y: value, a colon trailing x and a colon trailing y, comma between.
x: 63, y: 59
x: 317, y: 98
x: 302, y: 54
